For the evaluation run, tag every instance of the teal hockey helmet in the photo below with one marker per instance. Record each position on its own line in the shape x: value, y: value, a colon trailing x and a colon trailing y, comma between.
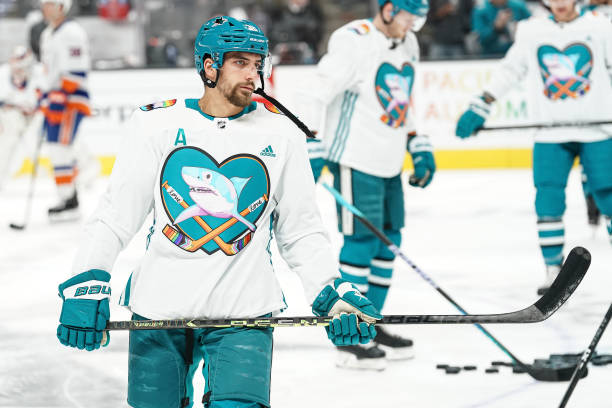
x: 224, y: 34
x: 419, y: 8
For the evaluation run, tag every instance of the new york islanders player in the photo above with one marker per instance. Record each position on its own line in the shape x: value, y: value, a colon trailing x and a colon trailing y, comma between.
x: 362, y: 114
x: 18, y: 102
x: 65, y: 57
x: 222, y: 175
x: 566, y: 61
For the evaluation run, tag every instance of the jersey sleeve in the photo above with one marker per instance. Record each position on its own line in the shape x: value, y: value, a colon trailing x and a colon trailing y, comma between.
x: 300, y: 235
x: 337, y: 71
x: 72, y: 61
x: 513, y: 67
x: 126, y: 203
x: 608, y: 47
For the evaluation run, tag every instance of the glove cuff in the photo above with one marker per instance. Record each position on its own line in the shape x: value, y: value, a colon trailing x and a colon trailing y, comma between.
x: 92, y: 284
x: 480, y: 106
x: 419, y: 143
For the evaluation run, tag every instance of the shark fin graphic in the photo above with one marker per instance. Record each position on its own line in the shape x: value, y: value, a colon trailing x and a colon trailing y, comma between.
x: 244, y: 221
x: 190, y: 212
x: 239, y: 183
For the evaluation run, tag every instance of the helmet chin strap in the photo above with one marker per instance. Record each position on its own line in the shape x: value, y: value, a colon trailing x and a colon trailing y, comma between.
x: 209, y: 82
x: 287, y: 112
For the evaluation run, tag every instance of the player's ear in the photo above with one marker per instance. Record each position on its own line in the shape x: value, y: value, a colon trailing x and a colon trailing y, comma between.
x: 387, y: 11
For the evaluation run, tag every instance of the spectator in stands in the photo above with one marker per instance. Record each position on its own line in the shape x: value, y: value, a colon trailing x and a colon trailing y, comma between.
x: 495, y: 21
x: 450, y: 21
x: 296, y: 30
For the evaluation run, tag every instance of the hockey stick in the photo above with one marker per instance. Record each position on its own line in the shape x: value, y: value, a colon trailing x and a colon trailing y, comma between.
x: 547, y: 125
x: 586, y: 356
x: 539, y: 373
x: 28, y: 206
x: 572, y: 272
x: 190, y: 245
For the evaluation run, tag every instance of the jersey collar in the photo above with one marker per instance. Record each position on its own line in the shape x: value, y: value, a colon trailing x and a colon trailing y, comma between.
x: 193, y: 104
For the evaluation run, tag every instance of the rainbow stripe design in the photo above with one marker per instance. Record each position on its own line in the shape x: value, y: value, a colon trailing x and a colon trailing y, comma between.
x: 156, y: 105
x: 178, y: 238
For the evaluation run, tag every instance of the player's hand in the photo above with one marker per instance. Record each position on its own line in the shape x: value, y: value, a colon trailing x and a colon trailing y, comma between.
x: 474, y: 118
x: 85, y: 310
x: 353, y: 314
x: 422, y: 159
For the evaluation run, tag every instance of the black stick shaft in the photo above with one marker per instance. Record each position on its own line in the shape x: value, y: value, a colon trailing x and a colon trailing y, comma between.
x: 30, y: 197
x: 396, y: 251
x: 393, y: 248
x: 547, y: 125
x: 586, y: 356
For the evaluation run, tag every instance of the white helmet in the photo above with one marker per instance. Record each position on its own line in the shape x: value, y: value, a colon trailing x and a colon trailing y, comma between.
x: 21, y: 63
x: 21, y: 58
x: 65, y: 3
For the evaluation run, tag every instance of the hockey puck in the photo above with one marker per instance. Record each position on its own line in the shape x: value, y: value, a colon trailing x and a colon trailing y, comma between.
x: 442, y: 366
x: 492, y: 370
x: 501, y: 363
x: 469, y: 367
x: 17, y: 226
x: 452, y: 370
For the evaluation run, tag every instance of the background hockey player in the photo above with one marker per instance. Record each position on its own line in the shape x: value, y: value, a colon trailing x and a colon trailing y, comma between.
x: 221, y: 174
x: 566, y: 61
x: 18, y: 102
x: 361, y: 109
x: 65, y: 56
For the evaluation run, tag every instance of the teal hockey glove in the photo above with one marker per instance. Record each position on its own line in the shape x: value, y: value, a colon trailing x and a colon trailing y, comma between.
x: 423, y: 160
x: 85, y: 310
x: 353, y: 314
x: 474, y: 118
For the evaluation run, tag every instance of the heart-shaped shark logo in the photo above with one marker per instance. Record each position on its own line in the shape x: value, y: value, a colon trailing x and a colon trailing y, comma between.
x: 393, y: 89
x: 213, y: 206
x: 565, y: 73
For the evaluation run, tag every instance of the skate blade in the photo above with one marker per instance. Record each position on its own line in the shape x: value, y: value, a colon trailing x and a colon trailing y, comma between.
x: 397, y: 353
x: 350, y: 361
x: 65, y: 216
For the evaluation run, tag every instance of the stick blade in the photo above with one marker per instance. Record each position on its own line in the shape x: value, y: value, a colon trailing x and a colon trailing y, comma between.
x: 572, y: 271
x: 551, y: 372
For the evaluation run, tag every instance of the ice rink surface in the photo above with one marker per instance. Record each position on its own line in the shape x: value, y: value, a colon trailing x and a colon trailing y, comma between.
x: 473, y: 232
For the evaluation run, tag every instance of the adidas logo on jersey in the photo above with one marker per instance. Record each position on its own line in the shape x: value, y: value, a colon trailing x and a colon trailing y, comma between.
x: 268, y: 152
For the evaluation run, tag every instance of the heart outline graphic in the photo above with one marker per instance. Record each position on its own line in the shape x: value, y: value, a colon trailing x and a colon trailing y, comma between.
x: 393, y: 88
x: 243, y: 165
x: 565, y: 72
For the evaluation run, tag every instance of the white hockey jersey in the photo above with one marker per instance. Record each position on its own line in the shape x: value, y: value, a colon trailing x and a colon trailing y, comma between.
x: 363, y: 93
x: 66, y: 58
x: 23, y: 95
x: 219, y: 188
x: 567, y: 68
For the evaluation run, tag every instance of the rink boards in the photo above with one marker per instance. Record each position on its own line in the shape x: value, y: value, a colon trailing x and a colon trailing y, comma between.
x: 441, y: 93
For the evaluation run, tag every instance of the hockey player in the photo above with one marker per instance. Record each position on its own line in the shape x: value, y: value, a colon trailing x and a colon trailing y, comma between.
x: 18, y: 101
x: 566, y: 61
x: 65, y: 56
x: 221, y: 175
x: 363, y: 95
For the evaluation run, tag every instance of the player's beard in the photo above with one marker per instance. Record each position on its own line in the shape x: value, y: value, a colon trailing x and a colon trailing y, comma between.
x: 237, y: 96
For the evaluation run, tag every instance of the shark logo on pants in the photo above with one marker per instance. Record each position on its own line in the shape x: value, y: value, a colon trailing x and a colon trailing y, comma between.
x: 212, y: 206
